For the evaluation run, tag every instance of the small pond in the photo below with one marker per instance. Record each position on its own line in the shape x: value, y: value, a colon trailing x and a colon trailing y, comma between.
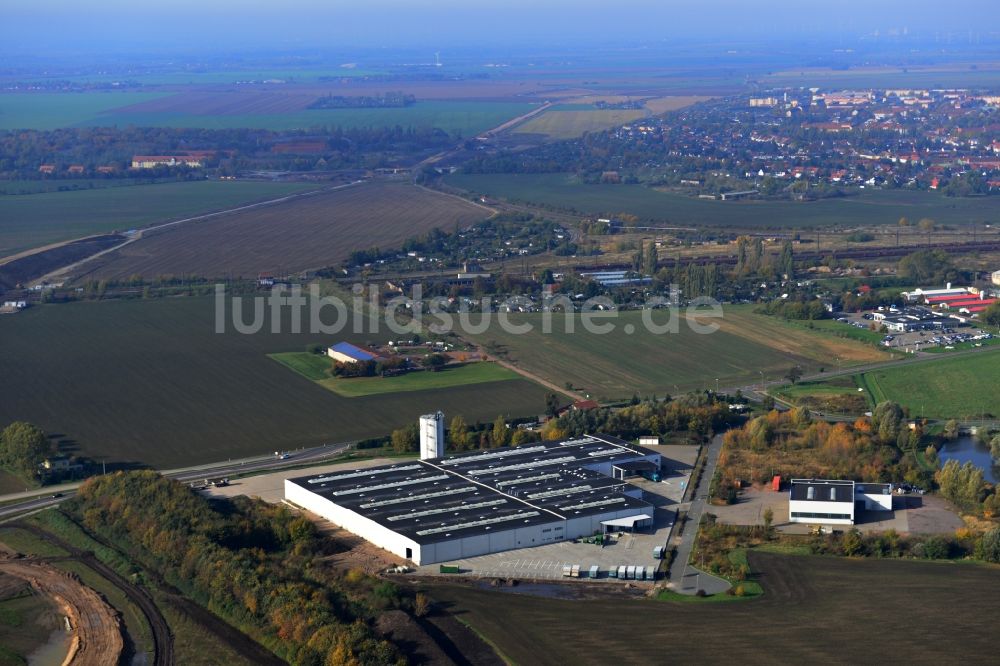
x: 967, y: 449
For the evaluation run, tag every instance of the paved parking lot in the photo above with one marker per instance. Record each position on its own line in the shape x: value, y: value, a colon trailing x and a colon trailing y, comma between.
x: 915, y: 341
x: 270, y: 487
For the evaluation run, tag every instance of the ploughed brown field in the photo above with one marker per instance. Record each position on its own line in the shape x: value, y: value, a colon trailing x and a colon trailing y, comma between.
x: 815, y: 610
x: 309, y: 232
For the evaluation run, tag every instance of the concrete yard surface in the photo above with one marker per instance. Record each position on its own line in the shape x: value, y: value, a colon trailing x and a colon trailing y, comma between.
x: 911, y: 514
x: 271, y: 487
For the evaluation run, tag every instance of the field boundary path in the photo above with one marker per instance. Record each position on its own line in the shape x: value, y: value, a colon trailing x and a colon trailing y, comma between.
x: 538, y: 379
x: 163, y: 640
x: 96, y: 628
x: 684, y: 578
x: 140, y: 233
x: 437, y: 157
x: 514, y: 122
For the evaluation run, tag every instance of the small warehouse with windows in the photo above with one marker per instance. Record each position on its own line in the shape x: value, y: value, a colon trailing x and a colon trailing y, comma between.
x: 459, y: 506
x: 834, y: 502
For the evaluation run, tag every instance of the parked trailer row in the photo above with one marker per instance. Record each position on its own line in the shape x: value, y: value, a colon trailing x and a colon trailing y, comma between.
x: 632, y: 572
x: 623, y: 572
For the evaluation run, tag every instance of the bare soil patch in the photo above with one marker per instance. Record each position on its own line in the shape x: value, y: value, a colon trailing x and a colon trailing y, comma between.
x: 97, y: 634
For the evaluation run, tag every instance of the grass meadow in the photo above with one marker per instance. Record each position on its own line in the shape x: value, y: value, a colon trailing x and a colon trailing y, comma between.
x: 952, y: 387
x: 314, y: 367
x: 618, y: 364
x: 871, y: 208
x: 34, y: 220
x: 149, y: 382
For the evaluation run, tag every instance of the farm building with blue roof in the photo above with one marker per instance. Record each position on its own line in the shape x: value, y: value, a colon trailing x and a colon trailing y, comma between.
x: 345, y: 352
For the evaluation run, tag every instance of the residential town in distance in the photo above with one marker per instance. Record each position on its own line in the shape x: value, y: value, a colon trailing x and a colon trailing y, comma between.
x: 800, y: 143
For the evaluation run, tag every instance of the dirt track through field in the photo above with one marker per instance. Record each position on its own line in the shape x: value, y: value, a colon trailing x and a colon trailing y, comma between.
x: 163, y: 642
x: 96, y: 629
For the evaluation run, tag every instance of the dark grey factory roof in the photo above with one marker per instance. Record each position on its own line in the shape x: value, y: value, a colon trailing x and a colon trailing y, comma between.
x: 494, y: 490
x: 843, y: 491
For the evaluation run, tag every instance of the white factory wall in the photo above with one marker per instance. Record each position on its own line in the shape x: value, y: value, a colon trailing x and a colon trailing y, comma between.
x: 877, y: 502
x: 337, y: 356
x: 492, y: 542
x: 805, y: 506
x: 588, y: 525
x: 353, y: 522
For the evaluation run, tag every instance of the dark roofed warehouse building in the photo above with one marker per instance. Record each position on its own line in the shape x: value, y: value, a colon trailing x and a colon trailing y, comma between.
x: 461, y: 506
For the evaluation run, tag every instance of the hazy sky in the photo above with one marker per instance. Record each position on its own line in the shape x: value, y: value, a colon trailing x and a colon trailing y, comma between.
x: 109, y: 25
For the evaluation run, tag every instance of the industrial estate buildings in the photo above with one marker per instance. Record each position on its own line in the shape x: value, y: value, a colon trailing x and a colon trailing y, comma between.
x: 459, y: 506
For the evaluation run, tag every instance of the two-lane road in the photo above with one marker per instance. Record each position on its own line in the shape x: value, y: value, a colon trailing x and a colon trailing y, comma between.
x: 42, y: 498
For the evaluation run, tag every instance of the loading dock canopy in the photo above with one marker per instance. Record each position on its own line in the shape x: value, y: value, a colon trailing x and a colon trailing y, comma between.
x: 630, y: 523
x: 637, y: 466
x: 622, y: 470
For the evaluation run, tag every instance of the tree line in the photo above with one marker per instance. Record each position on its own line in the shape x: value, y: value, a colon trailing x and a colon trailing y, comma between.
x: 23, y: 152
x: 258, y: 566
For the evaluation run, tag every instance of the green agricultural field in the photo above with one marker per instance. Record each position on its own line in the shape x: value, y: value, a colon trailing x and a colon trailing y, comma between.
x: 618, y: 364
x: 34, y: 220
x: 226, y: 76
x: 565, y: 121
x: 458, y: 117
x: 314, y: 367
x: 836, y: 396
x: 65, y: 184
x: 871, y: 208
x: 150, y: 382
x: 53, y: 110
x: 801, y: 593
x: 950, y: 387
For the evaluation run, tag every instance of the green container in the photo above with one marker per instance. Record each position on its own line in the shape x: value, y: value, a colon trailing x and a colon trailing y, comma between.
x: 449, y: 569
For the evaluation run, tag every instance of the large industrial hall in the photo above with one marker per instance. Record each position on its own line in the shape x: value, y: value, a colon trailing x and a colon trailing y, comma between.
x: 450, y: 507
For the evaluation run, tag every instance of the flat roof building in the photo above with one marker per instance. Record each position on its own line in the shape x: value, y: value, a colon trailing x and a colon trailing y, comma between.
x: 833, y: 502
x: 461, y: 506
